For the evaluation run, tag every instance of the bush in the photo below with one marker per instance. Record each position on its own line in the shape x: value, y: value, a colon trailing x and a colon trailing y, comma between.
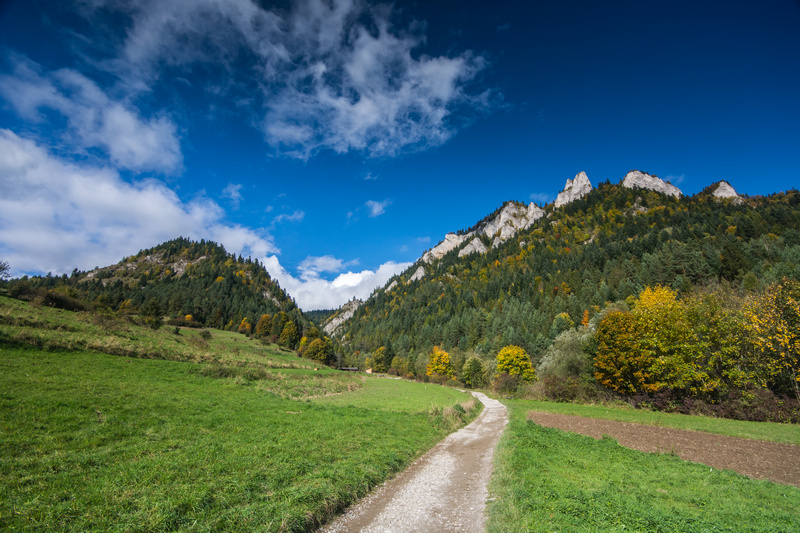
x: 757, y: 405
x: 505, y: 384
x: 205, y: 335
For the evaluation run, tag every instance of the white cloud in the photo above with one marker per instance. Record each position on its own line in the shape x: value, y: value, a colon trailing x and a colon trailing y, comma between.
x: 93, y: 120
x: 296, y: 216
x: 313, y: 292
x: 423, y: 240
x: 377, y: 208
x: 233, y: 193
x: 56, y: 216
x: 311, y: 266
x: 370, y: 177
x: 337, y: 75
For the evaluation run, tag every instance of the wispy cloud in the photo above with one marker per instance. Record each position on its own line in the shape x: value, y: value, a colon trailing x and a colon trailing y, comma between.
x: 423, y: 240
x: 541, y: 197
x: 233, y: 193
x: 377, y: 208
x: 370, y: 177
x: 337, y: 75
x: 295, y: 216
x: 56, y: 215
x: 93, y: 119
x: 675, y: 180
x: 504, y: 27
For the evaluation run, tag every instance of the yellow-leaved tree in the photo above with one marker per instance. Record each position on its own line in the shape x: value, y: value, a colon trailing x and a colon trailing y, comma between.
x: 514, y: 361
x: 773, y: 322
x: 439, y: 363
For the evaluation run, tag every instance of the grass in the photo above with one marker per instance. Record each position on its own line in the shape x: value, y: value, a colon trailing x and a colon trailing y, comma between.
x: 550, y: 480
x: 116, y: 335
x: 767, y: 431
x: 93, y: 442
x: 108, y: 426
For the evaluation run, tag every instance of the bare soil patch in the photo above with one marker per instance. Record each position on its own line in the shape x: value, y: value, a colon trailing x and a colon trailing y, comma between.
x: 773, y: 461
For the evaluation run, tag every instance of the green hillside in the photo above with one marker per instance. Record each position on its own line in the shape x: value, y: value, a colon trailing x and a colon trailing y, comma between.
x: 570, y: 268
x: 176, y: 279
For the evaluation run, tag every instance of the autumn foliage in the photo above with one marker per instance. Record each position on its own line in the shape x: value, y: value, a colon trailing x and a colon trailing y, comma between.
x: 702, y: 345
x: 514, y: 361
x: 439, y: 363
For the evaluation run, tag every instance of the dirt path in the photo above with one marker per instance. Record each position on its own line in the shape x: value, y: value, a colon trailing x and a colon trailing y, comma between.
x: 444, y: 490
x: 754, y: 458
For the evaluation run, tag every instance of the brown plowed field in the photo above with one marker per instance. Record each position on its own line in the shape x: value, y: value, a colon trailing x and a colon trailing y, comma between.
x: 756, y: 459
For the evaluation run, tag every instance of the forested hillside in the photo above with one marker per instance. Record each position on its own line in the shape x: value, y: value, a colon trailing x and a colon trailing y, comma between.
x: 581, y: 260
x: 198, y: 282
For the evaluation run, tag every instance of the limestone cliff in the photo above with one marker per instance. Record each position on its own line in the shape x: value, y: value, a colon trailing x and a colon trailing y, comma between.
x: 343, y: 314
x: 574, y: 189
x: 642, y: 180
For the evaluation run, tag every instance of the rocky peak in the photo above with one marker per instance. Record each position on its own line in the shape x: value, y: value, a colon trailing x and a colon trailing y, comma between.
x: 344, y: 313
x: 574, y: 189
x: 642, y: 180
x: 725, y: 190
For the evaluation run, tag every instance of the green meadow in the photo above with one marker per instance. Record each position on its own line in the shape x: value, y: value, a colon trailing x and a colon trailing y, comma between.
x: 167, y: 433
x: 550, y: 480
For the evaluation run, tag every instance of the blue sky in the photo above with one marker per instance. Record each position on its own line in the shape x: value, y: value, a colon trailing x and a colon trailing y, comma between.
x: 338, y: 140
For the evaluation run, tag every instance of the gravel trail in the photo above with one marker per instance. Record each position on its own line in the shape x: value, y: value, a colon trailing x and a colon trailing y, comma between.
x: 444, y: 490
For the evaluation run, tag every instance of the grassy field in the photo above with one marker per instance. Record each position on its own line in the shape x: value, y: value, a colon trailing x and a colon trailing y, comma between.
x: 230, y: 435
x: 550, y: 480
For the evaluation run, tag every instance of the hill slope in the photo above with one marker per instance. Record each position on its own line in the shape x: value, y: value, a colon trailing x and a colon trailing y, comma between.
x: 561, y: 269
x: 177, y: 278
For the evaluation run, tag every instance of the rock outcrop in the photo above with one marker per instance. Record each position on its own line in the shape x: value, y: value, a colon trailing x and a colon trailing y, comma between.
x: 419, y: 274
x: 512, y: 218
x: 574, y: 189
x: 344, y: 313
x: 726, y: 190
x: 475, y: 245
x: 642, y: 180
x: 451, y: 242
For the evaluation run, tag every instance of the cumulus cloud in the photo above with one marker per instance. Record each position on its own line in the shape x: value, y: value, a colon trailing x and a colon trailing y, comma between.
x: 56, y: 215
x: 337, y: 75
x: 312, y: 266
x: 313, y: 292
x: 377, y: 208
x: 93, y: 119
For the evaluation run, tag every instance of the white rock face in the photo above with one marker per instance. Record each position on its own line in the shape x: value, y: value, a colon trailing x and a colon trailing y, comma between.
x: 475, y: 245
x: 725, y: 190
x: 391, y: 286
x: 451, y: 242
x: 345, y: 312
x: 643, y: 180
x: 512, y: 218
x: 417, y: 275
x: 574, y: 189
